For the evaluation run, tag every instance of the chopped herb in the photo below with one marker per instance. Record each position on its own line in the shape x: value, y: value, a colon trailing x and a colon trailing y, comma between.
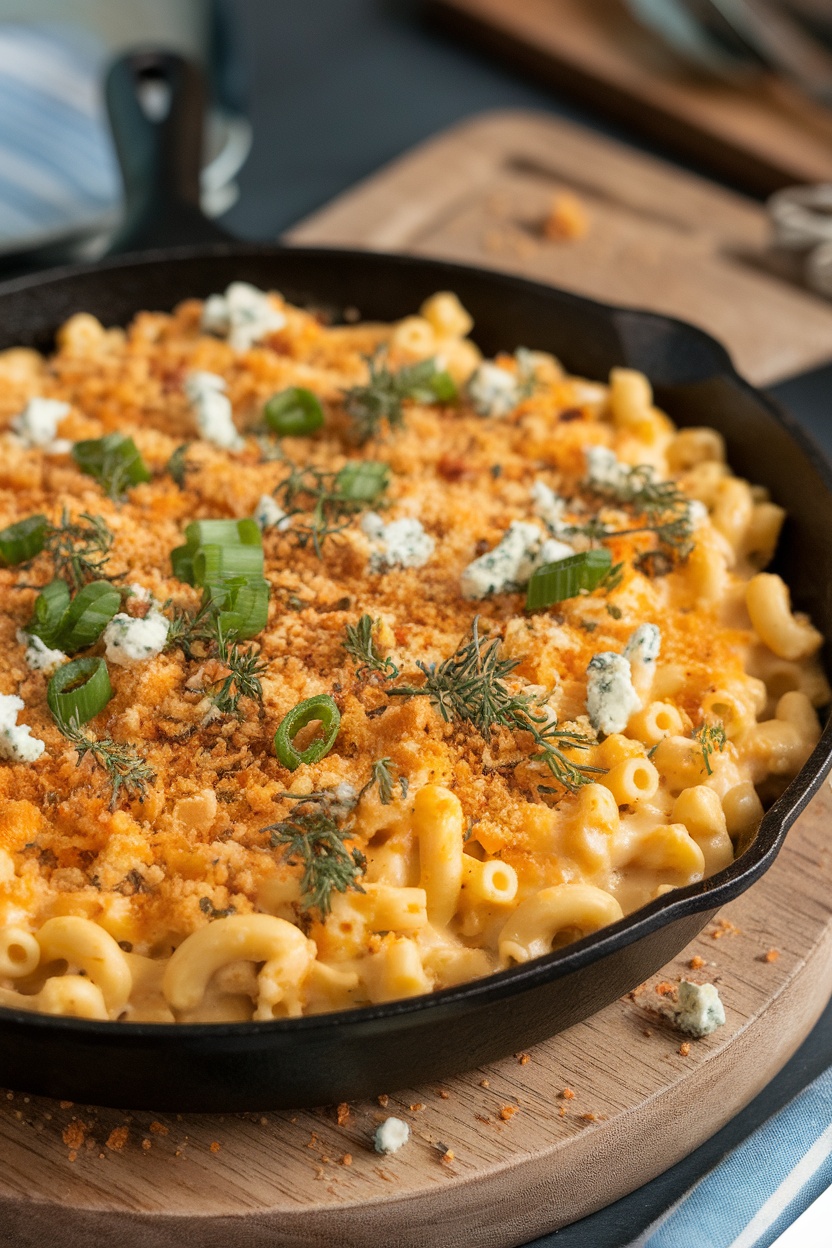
x: 126, y: 770
x: 381, y: 399
x: 188, y: 628
x: 243, y: 679
x: 317, y: 829
x: 360, y: 646
x: 614, y: 611
x: 662, y: 509
x: 313, y: 836
x: 711, y: 737
x: 79, y: 548
x: 613, y: 579
x: 382, y: 775
x: 327, y: 501
x: 469, y: 687
x: 589, y: 626
x: 177, y: 466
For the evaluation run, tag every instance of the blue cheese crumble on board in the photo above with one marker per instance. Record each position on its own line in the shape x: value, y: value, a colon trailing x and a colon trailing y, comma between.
x: 17, y: 745
x: 37, y: 424
x: 399, y: 544
x: 392, y: 1135
x: 610, y: 696
x: 38, y: 656
x: 212, y: 408
x: 132, y: 640
x: 699, y: 1010
x: 243, y: 315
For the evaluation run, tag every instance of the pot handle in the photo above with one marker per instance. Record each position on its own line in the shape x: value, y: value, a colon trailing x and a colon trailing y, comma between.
x: 156, y: 105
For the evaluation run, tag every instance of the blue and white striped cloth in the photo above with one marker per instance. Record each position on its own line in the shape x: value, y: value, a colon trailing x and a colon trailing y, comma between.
x: 58, y: 170
x: 760, y: 1188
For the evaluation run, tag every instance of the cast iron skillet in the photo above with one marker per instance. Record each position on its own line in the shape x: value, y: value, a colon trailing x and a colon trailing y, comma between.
x: 335, y: 1057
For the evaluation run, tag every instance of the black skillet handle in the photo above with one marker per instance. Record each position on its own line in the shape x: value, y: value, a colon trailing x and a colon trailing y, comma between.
x: 156, y: 103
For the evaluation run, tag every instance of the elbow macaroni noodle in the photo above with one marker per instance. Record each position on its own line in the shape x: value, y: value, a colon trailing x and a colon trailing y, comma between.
x: 176, y: 909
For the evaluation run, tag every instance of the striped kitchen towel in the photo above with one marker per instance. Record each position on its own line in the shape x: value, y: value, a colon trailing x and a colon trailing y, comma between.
x: 58, y: 170
x: 760, y: 1188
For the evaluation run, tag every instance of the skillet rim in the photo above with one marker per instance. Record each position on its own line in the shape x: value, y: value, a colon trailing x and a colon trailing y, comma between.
x: 707, y: 895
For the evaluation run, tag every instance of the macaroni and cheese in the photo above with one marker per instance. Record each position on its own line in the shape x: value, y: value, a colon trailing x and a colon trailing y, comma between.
x: 482, y: 658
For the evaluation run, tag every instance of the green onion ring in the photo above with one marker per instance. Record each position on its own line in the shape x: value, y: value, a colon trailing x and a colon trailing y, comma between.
x: 321, y: 707
x: 50, y: 607
x: 294, y: 412
x: 23, y: 540
x: 78, y: 691
x: 114, y: 460
x: 88, y: 615
x: 362, y: 480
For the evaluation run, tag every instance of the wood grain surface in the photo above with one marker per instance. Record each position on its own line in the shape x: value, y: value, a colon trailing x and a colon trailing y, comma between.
x: 762, y: 134
x: 527, y: 1155
x: 658, y: 237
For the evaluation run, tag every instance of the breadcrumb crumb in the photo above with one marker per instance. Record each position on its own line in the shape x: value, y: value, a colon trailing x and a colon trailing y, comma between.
x: 507, y: 1112
x: 117, y: 1138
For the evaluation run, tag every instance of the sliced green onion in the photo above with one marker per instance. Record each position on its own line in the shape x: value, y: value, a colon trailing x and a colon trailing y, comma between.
x: 555, y: 582
x: 214, y: 564
x: 232, y: 534
x: 294, y: 412
x: 182, y: 564
x: 362, y: 480
x: 323, y: 708
x: 88, y: 615
x: 50, y: 607
x: 113, y: 460
x: 23, y: 540
x: 245, y: 532
x: 78, y: 691
x: 245, y: 611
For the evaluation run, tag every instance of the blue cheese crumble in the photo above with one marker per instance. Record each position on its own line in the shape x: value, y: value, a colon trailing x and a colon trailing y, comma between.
x: 37, y: 424
x: 644, y: 645
x: 131, y: 640
x: 699, y: 1010
x: 17, y: 745
x: 270, y: 515
x: 399, y: 544
x: 521, y: 550
x: 212, y: 408
x: 243, y: 315
x: 493, y: 391
x: 604, y: 470
x: 610, y: 696
x: 392, y: 1135
x: 550, y: 507
x: 39, y: 657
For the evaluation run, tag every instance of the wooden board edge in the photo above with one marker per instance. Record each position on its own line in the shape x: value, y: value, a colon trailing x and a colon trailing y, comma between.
x: 519, y: 1200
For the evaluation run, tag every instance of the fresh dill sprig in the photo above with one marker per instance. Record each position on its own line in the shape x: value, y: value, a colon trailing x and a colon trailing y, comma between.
x: 177, y: 466
x: 315, y: 833
x: 469, y: 687
x: 381, y: 775
x: 189, y: 628
x: 711, y: 737
x: 381, y: 399
x: 243, y: 679
x: 79, y: 548
x: 359, y: 645
x: 661, y: 508
x: 324, y: 503
x: 126, y: 770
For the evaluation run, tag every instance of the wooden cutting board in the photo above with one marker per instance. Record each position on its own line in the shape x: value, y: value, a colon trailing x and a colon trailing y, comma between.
x: 658, y: 237
x: 528, y: 1156
x: 761, y: 135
